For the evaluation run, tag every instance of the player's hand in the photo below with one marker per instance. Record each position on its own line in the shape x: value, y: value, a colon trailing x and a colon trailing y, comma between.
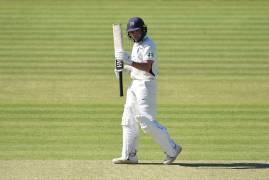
x: 123, y: 56
x: 126, y: 69
x: 116, y: 73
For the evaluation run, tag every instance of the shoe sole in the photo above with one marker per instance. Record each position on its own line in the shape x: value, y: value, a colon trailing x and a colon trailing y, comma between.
x: 124, y: 162
x: 172, y: 160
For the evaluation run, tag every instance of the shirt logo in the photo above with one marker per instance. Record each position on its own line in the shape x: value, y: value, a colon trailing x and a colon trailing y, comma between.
x: 150, y: 55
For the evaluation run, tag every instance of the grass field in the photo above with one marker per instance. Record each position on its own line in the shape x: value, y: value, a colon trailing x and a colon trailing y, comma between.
x: 100, y: 170
x: 59, y: 98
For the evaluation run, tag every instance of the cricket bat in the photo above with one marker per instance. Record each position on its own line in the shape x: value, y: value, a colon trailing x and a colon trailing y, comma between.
x: 118, y: 46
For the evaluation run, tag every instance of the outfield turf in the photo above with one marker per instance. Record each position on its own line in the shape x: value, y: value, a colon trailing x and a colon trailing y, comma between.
x: 103, y: 170
x: 59, y: 97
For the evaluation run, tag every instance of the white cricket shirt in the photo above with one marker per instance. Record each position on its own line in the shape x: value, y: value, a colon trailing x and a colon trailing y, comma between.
x: 141, y: 52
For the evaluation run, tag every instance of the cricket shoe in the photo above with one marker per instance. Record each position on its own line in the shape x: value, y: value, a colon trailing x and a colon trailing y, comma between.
x: 169, y: 160
x: 132, y: 159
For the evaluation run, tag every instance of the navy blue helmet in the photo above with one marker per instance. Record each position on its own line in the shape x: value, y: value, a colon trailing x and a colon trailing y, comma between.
x: 134, y: 24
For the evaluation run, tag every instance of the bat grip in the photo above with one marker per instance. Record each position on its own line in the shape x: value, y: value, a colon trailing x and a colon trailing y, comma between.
x: 120, y: 84
x: 119, y: 67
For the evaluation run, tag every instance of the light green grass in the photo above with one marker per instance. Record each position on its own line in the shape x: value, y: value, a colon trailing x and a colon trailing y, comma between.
x: 99, y: 170
x: 93, y: 131
x: 59, y: 97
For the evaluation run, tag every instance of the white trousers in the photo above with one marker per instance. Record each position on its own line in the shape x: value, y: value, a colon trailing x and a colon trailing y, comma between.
x: 140, y: 109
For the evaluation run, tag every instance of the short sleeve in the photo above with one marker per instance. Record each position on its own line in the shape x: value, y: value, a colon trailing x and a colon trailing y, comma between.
x: 149, y: 53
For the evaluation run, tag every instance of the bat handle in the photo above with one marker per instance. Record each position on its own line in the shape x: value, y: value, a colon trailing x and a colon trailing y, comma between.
x: 120, y: 84
x: 119, y: 67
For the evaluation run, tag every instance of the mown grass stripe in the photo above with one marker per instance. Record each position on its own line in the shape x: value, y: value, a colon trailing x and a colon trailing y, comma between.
x: 55, y: 57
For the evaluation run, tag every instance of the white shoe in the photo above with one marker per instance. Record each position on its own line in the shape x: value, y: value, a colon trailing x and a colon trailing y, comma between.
x: 170, y: 160
x: 130, y: 160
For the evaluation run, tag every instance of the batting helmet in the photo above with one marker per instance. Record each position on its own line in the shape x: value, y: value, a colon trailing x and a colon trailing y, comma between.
x: 134, y: 24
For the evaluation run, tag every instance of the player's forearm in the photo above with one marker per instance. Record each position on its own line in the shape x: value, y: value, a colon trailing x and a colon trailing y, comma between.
x: 142, y: 66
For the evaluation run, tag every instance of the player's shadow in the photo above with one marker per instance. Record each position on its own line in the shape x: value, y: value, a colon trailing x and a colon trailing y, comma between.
x: 241, y: 165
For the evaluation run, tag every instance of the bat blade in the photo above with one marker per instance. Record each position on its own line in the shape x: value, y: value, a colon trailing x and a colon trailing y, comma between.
x: 118, y: 46
x: 118, y: 39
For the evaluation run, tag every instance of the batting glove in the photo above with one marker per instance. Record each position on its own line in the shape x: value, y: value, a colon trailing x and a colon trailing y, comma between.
x: 126, y: 69
x: 123, y: 56
x: 116, y: 73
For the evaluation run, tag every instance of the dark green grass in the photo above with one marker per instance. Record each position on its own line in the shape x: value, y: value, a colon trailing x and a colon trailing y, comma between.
x: 59, y: 98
